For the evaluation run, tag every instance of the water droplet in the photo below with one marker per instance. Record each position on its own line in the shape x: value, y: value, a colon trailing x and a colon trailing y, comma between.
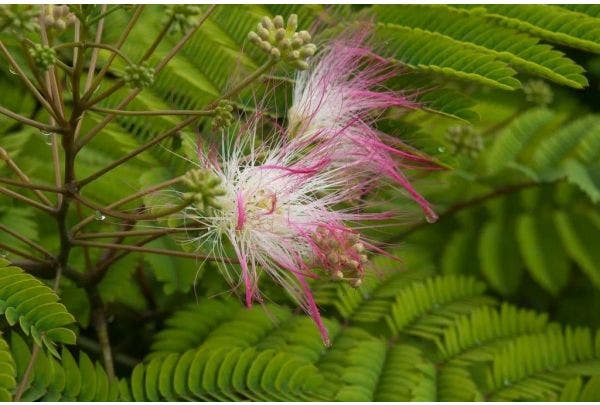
x: 12, y: 70
x: 99, y: 216
x: 3, y: 254
x: 47, y: 136
x: 441, y: 149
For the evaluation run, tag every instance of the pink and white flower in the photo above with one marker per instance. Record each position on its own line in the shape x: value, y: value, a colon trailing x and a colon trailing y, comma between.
x: 335, y: 100
x: 285, y: 208
x: 281, y: 213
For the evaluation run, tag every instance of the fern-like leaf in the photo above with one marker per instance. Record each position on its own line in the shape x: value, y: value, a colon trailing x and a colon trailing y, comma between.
x: 27, y: 301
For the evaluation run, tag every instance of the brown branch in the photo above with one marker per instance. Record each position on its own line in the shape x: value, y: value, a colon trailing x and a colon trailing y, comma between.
x: 25, y: 79
x: 464, y: 205
x: 28, y: 121
x: 143, y: 249
x: 31, y: 186
x: 109, y: 118
x: 94, y: 85
x: 35, y: 351
x: 127, y: 199
x: 27, y: 241
x: 27, y: 200
x: 22, y: 254
x: 137, y: 151
x: 140, y: 232
x: 17, y: 170
x: 99, y: 320
x: 153, y: 112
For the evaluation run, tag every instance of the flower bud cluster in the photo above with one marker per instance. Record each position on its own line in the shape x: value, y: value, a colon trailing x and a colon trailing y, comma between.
x: 19, y: 16
x: 139, y: 76
x: 538, y: 92
x: 58, y: 18
x: 465, y: 140
x: 183, y: 15
x: 282, y: 42
x: 343, y: 254
x: 223, y: 115
x: 205, y: 189
x: 43, y: 56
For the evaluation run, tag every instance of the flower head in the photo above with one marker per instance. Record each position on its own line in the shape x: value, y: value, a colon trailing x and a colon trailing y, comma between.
x: 335, y: 100
x: 280, y: 210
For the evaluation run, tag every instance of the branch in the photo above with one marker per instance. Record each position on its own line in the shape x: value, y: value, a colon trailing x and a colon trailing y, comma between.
x: 22, y: 254
x: 464, y: 205
x: 99, y: 319
x: 137, y: 151
x: 25, y: 379
x: 26, y: 80
x: 28, y: 121
x: 108, y: 119
x: 27, y: 200
x: 17, y: 170
x: 144, y: 249
x: 27, y: 241
x: 94, y: 85
x: 31, y: 186
x: 132, y: 217
x: 140, y: 232
x: 152, y: 112
x: 127, y: 199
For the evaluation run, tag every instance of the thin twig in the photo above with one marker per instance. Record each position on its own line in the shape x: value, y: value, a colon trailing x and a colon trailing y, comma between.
x: 132, y: 217
x: 152, y: 112
x: 109, y: 118
x: 27, y: 200
x: 17, y: 170
x: 31, y: 186
x: 464, y: 205
x: 25, y: 79
x: 144, y: 249
x: 94, y: 85
x: 28, y: 121
x: 127, y: 199
x: 139, y: 232
x: 35, y: 351
x: 137, y: 151
x: 27, y: 241
x: 99, y: 319
x: 20, y: 253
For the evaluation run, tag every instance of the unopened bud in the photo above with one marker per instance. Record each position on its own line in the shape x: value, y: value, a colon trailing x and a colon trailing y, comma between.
x: 278, y: 21
x: 267, y: 23
x: 275, y: 53
x: 292, y: 23
x: 263, y: 32
x: 279, y: 34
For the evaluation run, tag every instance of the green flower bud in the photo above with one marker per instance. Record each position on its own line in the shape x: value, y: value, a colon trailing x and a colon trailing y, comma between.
x: 464, y: 140
x: 204, y: 189
x: 184, y: 16
x: 19, y: 17
x: 267, y: 23
x: 292, y: 23
x: 223, y: 115
x: 139, y: 76
x: 538, y: 92
x: 278, y: 21
x: 43, y: 56
x: 282, y: 42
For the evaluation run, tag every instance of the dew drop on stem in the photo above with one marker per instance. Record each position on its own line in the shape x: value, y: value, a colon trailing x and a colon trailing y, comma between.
x: 99, y: 216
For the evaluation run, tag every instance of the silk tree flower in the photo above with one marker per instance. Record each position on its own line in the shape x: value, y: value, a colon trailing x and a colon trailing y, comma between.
x: 335, y: 100
x: 280, y: 210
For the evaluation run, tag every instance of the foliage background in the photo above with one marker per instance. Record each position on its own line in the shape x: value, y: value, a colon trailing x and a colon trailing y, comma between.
x: 498, y: 300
